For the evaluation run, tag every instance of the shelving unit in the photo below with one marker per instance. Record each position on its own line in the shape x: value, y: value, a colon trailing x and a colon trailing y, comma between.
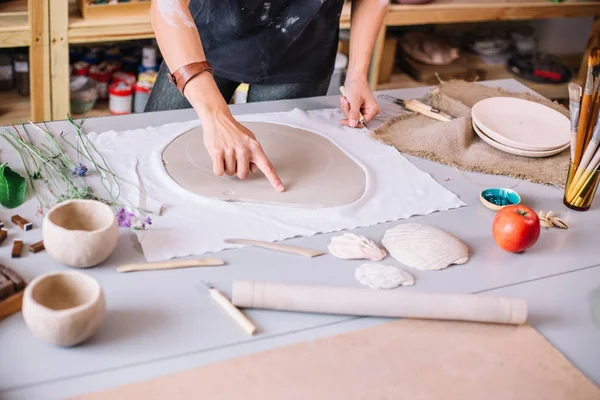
x: 25, y: 24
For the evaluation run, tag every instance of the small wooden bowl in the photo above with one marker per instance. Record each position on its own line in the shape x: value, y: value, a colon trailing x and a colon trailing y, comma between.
x: 506, y: 197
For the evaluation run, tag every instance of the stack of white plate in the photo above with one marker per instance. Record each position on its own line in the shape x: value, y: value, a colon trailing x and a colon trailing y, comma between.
x: 521, y: 127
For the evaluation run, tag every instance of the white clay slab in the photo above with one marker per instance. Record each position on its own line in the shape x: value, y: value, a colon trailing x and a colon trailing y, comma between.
x: 315, y: 172
x: 522, y: 124
x: 518, y: 152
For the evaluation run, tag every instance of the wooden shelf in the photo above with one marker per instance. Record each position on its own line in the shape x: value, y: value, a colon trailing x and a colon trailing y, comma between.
x: 107, y: 30
x: 14, y: 24
x: 453, y: 11
x: 14, y: 108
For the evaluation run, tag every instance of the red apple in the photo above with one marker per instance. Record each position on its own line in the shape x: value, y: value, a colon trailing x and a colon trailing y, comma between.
x: 516, y: 228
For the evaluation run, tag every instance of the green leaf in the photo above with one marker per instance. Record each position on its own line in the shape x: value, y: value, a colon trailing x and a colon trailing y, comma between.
x: 12, y: 187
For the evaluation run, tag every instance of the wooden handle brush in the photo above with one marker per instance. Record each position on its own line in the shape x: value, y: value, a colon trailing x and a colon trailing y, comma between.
x: 574, y: 108
x: 587, y: 163
x: 586, y: 106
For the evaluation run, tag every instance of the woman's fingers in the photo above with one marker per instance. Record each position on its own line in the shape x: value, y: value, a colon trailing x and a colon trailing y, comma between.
x: 243, y: 163
x: 230, y: 162
x: 218, y: 163
x: 260, y: 159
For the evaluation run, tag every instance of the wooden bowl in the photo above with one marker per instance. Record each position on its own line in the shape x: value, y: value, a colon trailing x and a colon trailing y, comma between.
x: 496, y: 198
x: 63, y: 308
x: 80, y: 233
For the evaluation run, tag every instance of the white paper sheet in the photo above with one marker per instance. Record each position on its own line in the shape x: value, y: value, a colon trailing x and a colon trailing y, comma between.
x: 193, y: 225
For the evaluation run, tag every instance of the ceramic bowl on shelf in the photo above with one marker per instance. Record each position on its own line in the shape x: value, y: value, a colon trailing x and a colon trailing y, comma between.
x: 495, y: 198
x: 80, y: 233
x: 63, y: 308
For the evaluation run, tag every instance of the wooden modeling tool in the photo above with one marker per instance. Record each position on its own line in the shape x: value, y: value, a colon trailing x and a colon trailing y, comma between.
x: 360, y: 116
x: 419, y: 107
x: 12, y: 286
x: 200, y: 262
x: 3, y: 235
x: 277, y: 247
x: 231, y: 310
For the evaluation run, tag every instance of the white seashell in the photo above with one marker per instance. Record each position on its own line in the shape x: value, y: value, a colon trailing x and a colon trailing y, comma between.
x: 377, y: 276
x: 424, y: 247
x: 350, y: 246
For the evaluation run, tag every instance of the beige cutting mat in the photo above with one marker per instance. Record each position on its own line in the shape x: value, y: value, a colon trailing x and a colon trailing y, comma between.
x: 455, y: 143
x: 405, y: 359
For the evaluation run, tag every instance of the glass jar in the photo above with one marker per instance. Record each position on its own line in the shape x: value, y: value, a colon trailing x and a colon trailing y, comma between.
x: 21, y: 71
x: 6, y: 72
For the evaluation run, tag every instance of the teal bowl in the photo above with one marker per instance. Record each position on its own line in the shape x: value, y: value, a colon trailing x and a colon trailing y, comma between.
x: 496, y: 199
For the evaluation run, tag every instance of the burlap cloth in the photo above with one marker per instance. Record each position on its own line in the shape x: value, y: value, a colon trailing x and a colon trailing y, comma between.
x: 455, y: 143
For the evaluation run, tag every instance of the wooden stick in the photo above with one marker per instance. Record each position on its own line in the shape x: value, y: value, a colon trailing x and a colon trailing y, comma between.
x: 277, y: 247
x: 418, y: 107
x: 202, y: 262
x: 231, y: 310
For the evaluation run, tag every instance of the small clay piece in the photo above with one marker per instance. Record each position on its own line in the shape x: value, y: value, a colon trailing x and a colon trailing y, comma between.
x: 424, y: 247
x: 351, y: 246
x: 18, y: 282
x: 3, y: 235
x: 63, y: 307
x: 37, y: 247
x: 17, y: 248
x: 377, y: 276
x: 549, y: 220
x: 80, y: 233
x: 22, y: 222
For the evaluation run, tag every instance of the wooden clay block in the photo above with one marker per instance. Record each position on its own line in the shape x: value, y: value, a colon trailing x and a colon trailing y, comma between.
x: 17, y: 248
x: 16, y: 279
x: 37, y: 247
x: 3, y: 235
x: 22, y: 222
x: 6, y: 287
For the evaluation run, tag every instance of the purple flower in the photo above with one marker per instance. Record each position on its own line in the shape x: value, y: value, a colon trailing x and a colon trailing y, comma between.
x: 148, y: 221
x: 80, y: 170
x: 124, y: 218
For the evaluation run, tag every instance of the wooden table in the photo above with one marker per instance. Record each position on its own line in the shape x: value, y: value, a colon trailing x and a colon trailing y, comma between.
x: 162, y: 322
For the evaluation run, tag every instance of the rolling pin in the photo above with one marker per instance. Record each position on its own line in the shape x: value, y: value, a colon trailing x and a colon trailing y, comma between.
x: 379, y: 303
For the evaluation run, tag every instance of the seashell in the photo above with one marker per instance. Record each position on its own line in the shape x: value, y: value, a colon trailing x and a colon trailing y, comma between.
x: 542, y: 214
x: 350, y: 246
x: 378, y: 276
x: 424, y: 247
x: 545, y: 222
x: 550, y: 215
x: 559, y: 223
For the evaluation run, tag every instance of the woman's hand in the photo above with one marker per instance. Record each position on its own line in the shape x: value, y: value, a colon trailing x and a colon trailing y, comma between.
x: 234, y: 149
x: 359, y: 98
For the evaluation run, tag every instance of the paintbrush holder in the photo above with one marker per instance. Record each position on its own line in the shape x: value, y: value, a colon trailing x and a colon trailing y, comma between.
x: 581, y: 187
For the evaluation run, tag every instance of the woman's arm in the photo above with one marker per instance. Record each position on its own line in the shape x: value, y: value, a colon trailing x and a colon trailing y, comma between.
x: 232, y: 147
x: 367, y: 18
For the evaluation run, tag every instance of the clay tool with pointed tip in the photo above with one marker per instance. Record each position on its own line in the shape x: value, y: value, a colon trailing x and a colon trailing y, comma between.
x: 361, y: 118
x: 277, y: 247
x: 200, y: 262
x: 231, y: 310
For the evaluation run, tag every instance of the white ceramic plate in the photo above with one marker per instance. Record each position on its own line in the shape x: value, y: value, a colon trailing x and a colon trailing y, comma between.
x: 522, y: 124
x: 518, y: 152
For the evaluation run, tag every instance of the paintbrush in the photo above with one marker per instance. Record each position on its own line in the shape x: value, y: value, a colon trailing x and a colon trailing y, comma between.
x: 586, y: 162
x: 361, y: 118
x: 419, y: 107
x: 574, y: 107
x: 586, y: 106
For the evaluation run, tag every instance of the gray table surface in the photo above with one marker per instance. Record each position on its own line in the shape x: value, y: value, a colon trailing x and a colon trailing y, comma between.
x: 162, y: 322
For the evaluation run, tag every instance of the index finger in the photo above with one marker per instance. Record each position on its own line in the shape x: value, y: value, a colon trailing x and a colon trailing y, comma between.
x: 262, y: 162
